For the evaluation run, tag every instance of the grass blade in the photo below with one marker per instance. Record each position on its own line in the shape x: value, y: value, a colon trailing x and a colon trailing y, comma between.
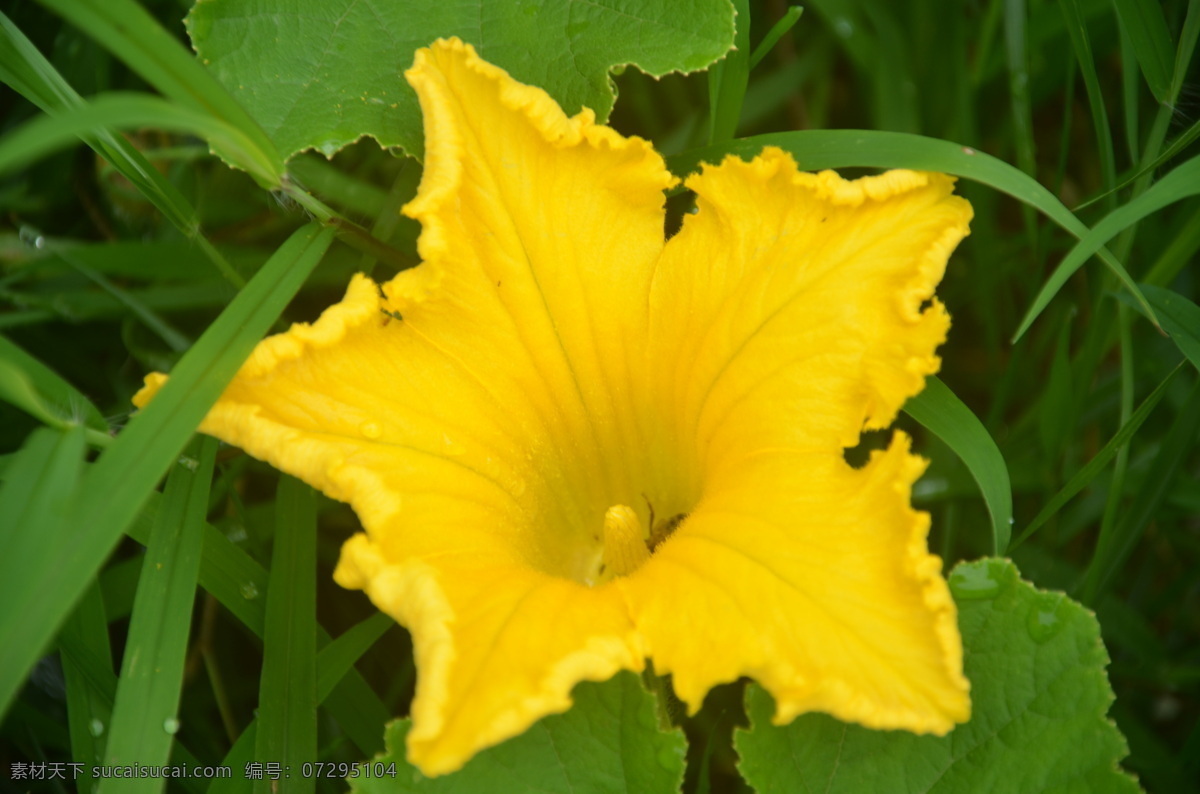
x: 1180, y: 319
x: 168, y: 333
x: 36, y: 389
x: 777, y: 32
x: 114, y: 489
x: 1113, y: 549
x: 88, y: 710
x: 144, y: 714
x: 24, y: 68
x: 1056, y: 418
x: 818, y: 149
x: 104, y: 682
x: 126, y: 30
x: 35, y: 503
x: 1017, y: 54
x: 287, y: 704
x: 1077, y: 30
x: 1181, y: 142
x: 334, y: 663
x: 118, y: 111
x: 1085, y: 475
x: 941, y: 412
x: 237, y: 582
x: 727, y: 80
x: 338, y: 657
x: 1181, y: 183
x: 1143, y: 20
x: 1187, y: 47
x: 239, y: 756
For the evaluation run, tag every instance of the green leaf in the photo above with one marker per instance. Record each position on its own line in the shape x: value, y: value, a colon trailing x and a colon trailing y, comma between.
x: 238, y: 582
x: 129, y: 32
x: 1056, y: 419
x: 118, y: 111
x: 1143, y: 20
x: 1114, y: 548
x: 818, y: 149
x: 1180, y: 318
x: 287, y: 695
x: 777, y: 32
x: 1080, y: 42
x: 338, y: 657
x: 334, y: 662
x: 941, y: 412
x: 89, y: 708
x: 1182, y: 182
x: 35, y: 501
x: 344, y: 60
x: 1039, y: 695
x: 36, y: 389
x: 1085, y: 475
x: 727, y: 81
x: 111, y: 495
x: 144, y: 717
x: 608, y: 742
x: 24, y: 68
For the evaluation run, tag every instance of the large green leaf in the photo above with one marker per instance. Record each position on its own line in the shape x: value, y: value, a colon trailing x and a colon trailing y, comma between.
x: 1039, y: 695
x: 608, y: 742
x: 323, y: 73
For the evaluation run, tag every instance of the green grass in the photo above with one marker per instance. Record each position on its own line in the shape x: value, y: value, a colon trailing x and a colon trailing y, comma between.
x: 126, y: 247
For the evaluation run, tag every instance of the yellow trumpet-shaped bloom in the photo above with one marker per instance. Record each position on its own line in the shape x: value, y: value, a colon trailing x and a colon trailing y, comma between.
x: 575, y: 445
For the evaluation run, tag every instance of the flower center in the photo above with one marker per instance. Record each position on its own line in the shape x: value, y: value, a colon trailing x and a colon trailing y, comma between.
x: 625, y: 545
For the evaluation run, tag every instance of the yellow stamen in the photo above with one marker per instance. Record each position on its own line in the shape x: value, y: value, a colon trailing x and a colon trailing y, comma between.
x: 624, y: 542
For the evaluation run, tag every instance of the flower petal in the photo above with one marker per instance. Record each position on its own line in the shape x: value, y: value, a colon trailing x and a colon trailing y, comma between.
x: 786, y: 316
x: 497, y: 646
x: 788, y: 309
x: 548, y: 227
x: 471, y: 433
x: 814, y: 579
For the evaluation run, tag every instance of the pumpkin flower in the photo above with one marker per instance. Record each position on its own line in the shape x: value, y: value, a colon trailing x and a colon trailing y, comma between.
x: 575, y: 446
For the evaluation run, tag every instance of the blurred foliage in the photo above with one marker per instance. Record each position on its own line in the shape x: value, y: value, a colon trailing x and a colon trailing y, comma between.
x: 97, y: 285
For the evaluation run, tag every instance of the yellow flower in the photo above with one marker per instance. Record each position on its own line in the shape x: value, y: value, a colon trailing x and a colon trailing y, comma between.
x: 580, y: 446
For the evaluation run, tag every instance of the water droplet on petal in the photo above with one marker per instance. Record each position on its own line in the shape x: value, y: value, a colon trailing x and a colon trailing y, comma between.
x: 171, y: 725
x: 249, y: 591
x: 95, y: 727
x: 973, y: 582
x: 1044, y: 619
x: 370, y: 430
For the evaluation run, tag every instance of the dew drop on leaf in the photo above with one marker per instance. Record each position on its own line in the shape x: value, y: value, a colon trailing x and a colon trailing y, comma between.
x: 1043, y: 621
x: 969, y: 582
